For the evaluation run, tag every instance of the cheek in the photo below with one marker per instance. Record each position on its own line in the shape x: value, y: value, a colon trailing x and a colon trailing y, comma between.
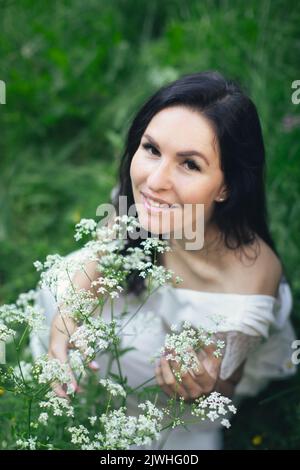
x: 138, y: 170
x: 201, y: 191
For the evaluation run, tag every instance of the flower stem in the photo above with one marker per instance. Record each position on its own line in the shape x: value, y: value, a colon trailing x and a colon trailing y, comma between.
x: 29, y: 416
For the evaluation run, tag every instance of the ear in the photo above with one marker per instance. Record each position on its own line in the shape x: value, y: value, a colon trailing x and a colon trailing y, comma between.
x: 223, y: 194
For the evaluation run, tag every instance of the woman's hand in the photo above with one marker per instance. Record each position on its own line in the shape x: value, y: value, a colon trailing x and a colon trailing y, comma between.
x: 63, y: 326
x: 194, y: 383
x: 61, y: 330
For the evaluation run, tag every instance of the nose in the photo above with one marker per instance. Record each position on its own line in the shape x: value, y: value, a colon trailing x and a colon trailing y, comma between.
x: 160, y: 177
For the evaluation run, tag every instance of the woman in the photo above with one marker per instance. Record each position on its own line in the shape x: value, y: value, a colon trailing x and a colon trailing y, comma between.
x: 198, y: 142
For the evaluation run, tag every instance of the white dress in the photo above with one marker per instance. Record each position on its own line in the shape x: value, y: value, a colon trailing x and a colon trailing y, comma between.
x: 257, y: 330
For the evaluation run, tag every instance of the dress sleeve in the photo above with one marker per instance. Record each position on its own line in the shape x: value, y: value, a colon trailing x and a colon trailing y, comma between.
x: 261, y: 335
x: 238, y: 346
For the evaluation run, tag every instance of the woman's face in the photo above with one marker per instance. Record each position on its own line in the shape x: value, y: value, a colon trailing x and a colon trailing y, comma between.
x: 166, y: 167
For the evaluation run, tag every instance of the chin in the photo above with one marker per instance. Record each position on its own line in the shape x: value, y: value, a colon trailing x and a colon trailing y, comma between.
x: 151, y: 226
x: 157, y: 227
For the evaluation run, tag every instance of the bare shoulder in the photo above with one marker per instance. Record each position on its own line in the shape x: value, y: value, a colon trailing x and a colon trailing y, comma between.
x: 257, y: 269
x: 83, y: 278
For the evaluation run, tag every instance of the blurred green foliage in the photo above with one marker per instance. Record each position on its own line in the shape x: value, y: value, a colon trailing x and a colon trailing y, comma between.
x: 76, y: 72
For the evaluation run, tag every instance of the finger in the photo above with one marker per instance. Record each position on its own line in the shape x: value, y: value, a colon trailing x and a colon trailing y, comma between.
x: 170, y: 380
x: 59, y: 391
x: 195, y: 365
x: 209, y: 351
x: 161, y: 383
x: 196, y: 380
x: 192, y: 387
x: 188, y: 378
x: 56, y: 387
x: 210, y: 362
x: 178, y: 392
x: 60, y: 353
x: 93, y: 365
x: 188, y: 385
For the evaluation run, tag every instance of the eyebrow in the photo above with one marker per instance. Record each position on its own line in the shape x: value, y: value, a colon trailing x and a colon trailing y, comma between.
x: 186, y: 153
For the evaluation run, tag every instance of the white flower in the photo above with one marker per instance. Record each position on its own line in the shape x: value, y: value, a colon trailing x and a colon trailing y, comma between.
x: 78, y: 304
x: 9, y: 313
x: 57, y: 405
x: 108, y: 285
x: 151, y: 410
x: 174, y: 327
x: 178, y: 280
x: 155, y: 244
x: 49, y: 370
x: 213, y: 407
x: 29, y: 443
x: 24, y: 311
x: 85, y: 227
x: 232, y: 408
x: 121, y: 430
x: 134, y: 256
x: 212, y: 415
x: 113, y: 388
x: 76, y: 361
x: 117, y: 231
x: 34, y: 317
x: 38, y: 265
x: 92, y: 420
x: 225, y: 423
x: 80, y: 435
x: 43, y: 419
x: 6, y: 333
x: 94, y: 336
x: 183, y: 346
x: 57, y: 268
x: 159, y: 274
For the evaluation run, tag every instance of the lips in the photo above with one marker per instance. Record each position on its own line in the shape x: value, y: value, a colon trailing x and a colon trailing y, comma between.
x: 153, y: 208
x: 155, y: 201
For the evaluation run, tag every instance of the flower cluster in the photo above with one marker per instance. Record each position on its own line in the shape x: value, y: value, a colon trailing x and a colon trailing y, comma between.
x: 120, y: 431
x: 57, y: 405
x: 110, y: 427
x: 78, y: 304
x: 107, y: 285
x: 158, y: 275
x: 5, y: 333
x: 113, y: 388
x: 49, y: 371
x: 213, y: 407
x: 182, y: 346
x: 24, y: 311
x: 85, y: 227
x: 156, y: 245
x: 94, y: 336
x: 80, y: 436
x: 29, y: 443
x: 56, y: 268
x: 77, y: 362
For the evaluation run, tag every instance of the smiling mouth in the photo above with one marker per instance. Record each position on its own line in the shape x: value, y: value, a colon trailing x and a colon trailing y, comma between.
x: 155, y: 206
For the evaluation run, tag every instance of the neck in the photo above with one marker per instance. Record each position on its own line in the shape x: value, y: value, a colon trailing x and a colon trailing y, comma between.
x: 212, y: 245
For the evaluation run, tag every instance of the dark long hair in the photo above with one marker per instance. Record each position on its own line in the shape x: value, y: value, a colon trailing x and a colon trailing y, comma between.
x: 234, y: 118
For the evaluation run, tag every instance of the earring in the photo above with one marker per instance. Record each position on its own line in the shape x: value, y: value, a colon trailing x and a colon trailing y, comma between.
x: 221, y: 199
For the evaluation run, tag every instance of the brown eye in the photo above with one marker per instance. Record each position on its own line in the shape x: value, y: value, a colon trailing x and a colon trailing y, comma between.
x: 191, y: 165
x: 149, y: 146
